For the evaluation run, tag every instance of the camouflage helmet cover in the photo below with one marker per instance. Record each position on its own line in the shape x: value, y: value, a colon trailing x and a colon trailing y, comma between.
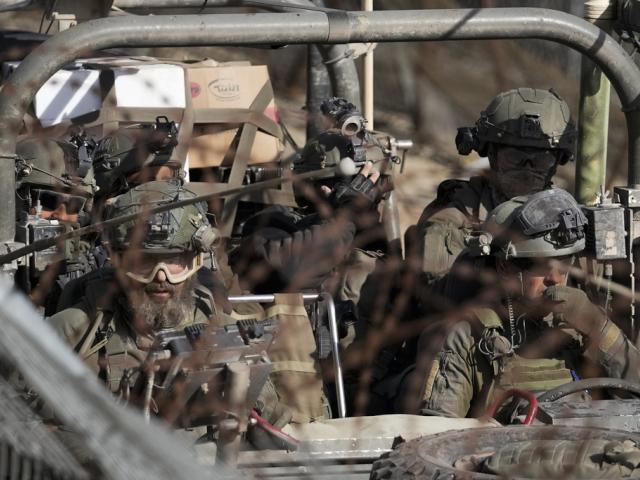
x: 181, y: 229
x: 527, y: 117
x: 49, y: 165
x: 545, y: 224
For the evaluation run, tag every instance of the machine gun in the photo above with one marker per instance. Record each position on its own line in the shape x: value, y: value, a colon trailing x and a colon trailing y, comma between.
x: 204, y: 376
x: 188, y: 372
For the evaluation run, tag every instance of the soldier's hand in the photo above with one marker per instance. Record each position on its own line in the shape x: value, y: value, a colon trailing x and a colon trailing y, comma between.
x: 574, y: 307
x: 362, y: 191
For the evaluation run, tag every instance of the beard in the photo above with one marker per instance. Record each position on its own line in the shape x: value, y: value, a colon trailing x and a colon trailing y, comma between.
x: 154, y: 316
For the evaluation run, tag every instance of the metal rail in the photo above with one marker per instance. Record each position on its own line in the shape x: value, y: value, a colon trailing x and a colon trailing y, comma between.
x: 302, y: 28
x: 333, y: 330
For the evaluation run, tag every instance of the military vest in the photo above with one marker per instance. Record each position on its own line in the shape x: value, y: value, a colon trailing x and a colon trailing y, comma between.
x: 111, y: 347
x: 508, y: 369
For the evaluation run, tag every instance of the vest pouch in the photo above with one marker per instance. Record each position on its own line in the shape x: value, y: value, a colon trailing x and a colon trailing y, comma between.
x: 296, y: 371
x: 533, y: 374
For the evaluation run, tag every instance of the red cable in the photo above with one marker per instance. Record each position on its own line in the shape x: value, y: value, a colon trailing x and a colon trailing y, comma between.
x: 290, y: 442
x: 516, y: 392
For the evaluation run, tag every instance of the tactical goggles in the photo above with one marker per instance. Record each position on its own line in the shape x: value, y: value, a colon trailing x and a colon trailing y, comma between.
x: 50, y: 200
x: 542, y: 265
x: 527, y: 157
x: 176, y: 267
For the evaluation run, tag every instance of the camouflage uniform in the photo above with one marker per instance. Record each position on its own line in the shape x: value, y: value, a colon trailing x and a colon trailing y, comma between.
x: 99, y: 326
x: 507, y: 345
x: 464, y: 378
x: 524, y: 118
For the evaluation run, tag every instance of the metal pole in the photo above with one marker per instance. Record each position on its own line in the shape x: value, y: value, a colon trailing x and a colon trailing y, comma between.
x: 318, y: 89
x: 333, y: 331
x: 391, y: 222
x: 308, y: 27
x: 335, y: 348
x: 367, y: 102
x: 593, y: 119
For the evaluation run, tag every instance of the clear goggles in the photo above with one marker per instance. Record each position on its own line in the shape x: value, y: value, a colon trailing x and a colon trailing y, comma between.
x: 176, y: 267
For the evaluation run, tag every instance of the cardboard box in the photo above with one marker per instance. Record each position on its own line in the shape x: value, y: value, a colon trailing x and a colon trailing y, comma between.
x: 229, y: 86
x: 150, y: 83
x: 210, y: 144
x: 68, y: 94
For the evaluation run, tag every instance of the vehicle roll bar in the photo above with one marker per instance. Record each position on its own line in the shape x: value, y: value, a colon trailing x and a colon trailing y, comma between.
x: 307, y: 27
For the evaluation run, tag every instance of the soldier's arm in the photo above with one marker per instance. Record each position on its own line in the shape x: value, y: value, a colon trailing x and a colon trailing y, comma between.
x: 72, y: 324
x: 449, y: 384
x: 300, y: 259
x: 442, y: 236
x: 615, y: 352
x: 606, y: 344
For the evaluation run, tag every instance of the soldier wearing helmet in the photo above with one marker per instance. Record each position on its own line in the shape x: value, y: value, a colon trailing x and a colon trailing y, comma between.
x: 152, y: 286
x: 152, y: 283
x: 526, y: 133
x: 531, y: 331
x: 51, y: 198
x: 135, y: 155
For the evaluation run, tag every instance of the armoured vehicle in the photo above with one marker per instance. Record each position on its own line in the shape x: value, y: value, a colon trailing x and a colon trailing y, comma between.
x: 119, y: 437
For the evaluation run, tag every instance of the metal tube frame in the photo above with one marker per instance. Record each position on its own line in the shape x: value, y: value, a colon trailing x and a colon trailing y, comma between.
x: 333, y: 27
x: 333, y: 330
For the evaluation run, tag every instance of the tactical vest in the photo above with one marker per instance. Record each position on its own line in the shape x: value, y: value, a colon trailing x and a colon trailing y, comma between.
x: 293, y: 354
x: 510, y: 370
x: 114, y: 350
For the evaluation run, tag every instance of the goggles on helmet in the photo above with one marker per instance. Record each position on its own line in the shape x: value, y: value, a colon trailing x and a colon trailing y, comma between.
x: 176, y: 267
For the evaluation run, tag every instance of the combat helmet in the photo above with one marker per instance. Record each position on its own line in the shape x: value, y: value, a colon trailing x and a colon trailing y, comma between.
x: 182, y: 229
x: 524, y: 117
x: 47, y: 163
x: 129, y: 150
x: 545, y: 224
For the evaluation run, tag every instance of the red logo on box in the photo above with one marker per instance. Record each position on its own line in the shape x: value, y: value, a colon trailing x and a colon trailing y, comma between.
x: 195, y: 89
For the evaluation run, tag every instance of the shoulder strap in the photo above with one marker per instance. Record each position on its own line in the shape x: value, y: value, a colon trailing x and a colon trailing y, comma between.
x: 462, y: 195
x: 487, y: 317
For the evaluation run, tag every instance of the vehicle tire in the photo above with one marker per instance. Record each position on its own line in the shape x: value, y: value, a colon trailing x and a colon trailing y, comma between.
x: 432, y: 457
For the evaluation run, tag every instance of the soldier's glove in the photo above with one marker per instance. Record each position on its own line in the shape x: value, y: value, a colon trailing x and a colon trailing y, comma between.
x: 360, y: 192
x: 574, y: 307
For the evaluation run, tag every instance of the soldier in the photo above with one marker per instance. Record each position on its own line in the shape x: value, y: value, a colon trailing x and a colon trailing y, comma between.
x: 536, y: 332
x: 50, y: 199
x: 298, y: 250
x: 526, y: 133
x: 132, y: 156
x: 152, y: 286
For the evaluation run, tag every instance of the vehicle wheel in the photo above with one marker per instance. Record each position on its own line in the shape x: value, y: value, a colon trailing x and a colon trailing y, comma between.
x: 432, y: 457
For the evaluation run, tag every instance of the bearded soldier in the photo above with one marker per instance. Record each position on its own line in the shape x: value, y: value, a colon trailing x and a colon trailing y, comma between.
x: 526, y: 133
x: 532, y: 332
x: 151, y: 286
